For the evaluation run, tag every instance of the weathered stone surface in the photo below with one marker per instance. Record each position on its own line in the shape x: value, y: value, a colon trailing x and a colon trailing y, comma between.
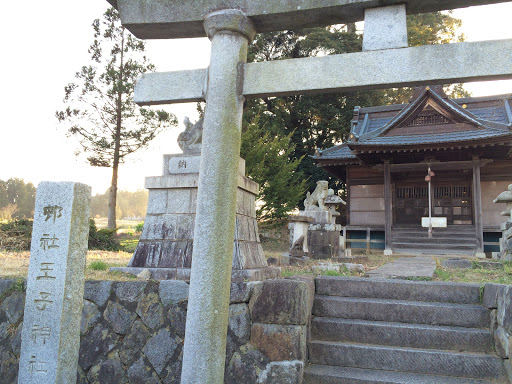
x: 240, y: 321
x: 3, y: 330
x: 178, y: 318
x: 173, y: 372
x: 130, y: 290
x: 151, y: 311
x: 133, y: 342
x: 108, y: 371
x: 456, y: 263
x: 491, y: 265
x: 401, y: 335
x: 280, y: 342
x: 385, y: 28
x: 95, y: 345
x: 501, y: 342
x: 141, y: 372
x: 491, y: 294
x: 5, y: 285
x: 16, y: 340
x: 144, y: 275
x: 282, y: 372
x: 272, y: 261
x: 159, y: 349
x: 435, y: 362
x: 13, y: 306
x: 241, y: 291
x: 493, y: 326
x: 120, y: 318
x: 245, y: 365
x: 173, y: 291
x: 505, y: 308
x: 8, y: 367
x: 280, y: 302
x: 90, y: 316
x: 438, y: 291
x: 184, y: 20
x: 55, y: 282
x: 98, y: 291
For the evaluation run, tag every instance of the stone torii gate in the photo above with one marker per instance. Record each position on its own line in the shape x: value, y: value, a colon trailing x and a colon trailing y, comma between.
x: 231, y: 24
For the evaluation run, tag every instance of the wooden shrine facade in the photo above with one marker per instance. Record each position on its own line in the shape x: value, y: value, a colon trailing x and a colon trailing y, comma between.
x: 466, y: 142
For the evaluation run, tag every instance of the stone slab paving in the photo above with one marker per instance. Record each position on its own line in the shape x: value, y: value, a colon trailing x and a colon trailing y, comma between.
x: 420, y: 267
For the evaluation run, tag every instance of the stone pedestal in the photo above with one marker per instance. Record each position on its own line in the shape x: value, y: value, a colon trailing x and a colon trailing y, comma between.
x: 505, y: 253
x: 299, y: 228
x: 323, y: 235
x: 166, y: 243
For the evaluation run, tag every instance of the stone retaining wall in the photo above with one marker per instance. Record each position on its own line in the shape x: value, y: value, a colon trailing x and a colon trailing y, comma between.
x: 132, y: 332
x: 498, y: 298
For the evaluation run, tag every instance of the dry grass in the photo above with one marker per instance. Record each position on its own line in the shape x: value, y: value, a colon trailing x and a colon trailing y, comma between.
x: 15, y: 265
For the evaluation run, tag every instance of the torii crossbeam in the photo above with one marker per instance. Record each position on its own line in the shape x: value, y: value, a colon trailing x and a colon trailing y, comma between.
x: 231, y: 25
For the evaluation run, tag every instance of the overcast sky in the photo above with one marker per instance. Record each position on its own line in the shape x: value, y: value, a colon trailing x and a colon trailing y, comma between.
x: 45, y: 43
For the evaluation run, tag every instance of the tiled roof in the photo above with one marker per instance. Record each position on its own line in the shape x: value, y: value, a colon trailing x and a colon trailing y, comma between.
x: 450, y: 137
x: 340, y: 152
x: 491, y: 117
x: 496, y: 113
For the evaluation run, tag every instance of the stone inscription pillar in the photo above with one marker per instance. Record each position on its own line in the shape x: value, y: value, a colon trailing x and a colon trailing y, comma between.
x: 50, y: 338
x: 207, y: 314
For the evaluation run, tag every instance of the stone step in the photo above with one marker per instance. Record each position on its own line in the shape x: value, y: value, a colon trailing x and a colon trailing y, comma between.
x: 471, y: 365
x: 399, y: 311
x: 431, y: 252
x: 449, y: 229
x: 402, y: 335
x: 327, y: 374
x: 409, y: 244
x: 437, y: 291
x: 456, y: 239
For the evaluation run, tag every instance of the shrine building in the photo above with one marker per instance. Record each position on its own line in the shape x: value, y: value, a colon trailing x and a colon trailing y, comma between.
x: 466, y: 143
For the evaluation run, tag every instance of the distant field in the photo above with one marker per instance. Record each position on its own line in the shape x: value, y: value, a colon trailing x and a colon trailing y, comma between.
x: 124, y: 225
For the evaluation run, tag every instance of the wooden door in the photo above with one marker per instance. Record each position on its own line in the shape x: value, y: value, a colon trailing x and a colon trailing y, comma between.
x: 449, y: 199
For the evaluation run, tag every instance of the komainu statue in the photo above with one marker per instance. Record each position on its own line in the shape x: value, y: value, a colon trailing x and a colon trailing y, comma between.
x: 191, y: 138
x: 315, y: 201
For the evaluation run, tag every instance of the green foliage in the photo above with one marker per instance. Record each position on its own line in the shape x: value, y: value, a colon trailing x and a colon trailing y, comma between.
x: 129, y: 204
x: 321, y: 121
x: 17, y: 199
x: 98, y: 265
x: 139, y: 227
x: 100, y: 110
x: 16, y: 235
x: 104, y: 239
x: 268, y: 163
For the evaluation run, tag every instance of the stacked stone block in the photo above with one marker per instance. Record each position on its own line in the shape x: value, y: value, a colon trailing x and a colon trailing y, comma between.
x: 505, y: 253
x: 498, y: 298
x: 166, y: 243
x: 134, y: 331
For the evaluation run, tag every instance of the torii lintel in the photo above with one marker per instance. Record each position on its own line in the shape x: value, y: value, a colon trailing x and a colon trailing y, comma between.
x: 168, y: 19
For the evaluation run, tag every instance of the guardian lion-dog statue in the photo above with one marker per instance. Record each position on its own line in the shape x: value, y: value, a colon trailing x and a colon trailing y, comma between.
x: 315, y: 201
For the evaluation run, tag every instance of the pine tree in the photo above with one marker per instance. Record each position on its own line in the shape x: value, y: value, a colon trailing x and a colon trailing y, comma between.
x: 100, y: 110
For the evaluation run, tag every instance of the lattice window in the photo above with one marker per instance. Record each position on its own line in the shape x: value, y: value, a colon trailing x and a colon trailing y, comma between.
x: 453, y: 192
x: 412, y: 192
x: 429, y: 120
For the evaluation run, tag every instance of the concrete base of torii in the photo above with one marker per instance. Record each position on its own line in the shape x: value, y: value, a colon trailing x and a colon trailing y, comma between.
x: 166, y: 243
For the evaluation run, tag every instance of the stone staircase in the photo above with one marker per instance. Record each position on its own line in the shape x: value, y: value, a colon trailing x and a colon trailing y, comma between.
x: 455, y: 239
x: 390, y: 331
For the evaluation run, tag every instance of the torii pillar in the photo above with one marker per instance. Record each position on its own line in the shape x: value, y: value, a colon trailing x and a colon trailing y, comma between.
x: 204, y: 352
x: 229, y: 79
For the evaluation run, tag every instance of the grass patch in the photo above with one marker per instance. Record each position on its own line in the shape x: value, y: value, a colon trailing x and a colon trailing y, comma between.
x: 129, y: 244
x: 98, y: 265
x: 477, y: 274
